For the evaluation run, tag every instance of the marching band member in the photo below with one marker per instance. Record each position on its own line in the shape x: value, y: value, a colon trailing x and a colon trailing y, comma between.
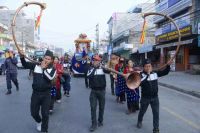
x: 112, y: 63
x: 121, y: 82
x: 43, y: 75
x: 149, y: 86
x: 59, y: 72
x: 97, y: 81
x: 132, y: 96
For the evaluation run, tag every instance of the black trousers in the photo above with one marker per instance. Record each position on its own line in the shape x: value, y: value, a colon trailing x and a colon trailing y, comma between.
x: 112, y: 83
x: 41, y: 100
x: 11, y: 77
x: 144, y: 103
x: 97, y: 96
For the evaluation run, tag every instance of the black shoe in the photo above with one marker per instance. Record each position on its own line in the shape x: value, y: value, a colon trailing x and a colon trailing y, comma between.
x: 93, y: 128
x: 100, y: 124
x: 17, y: 88
x: 156, y: 130
x: 139, y: 125
x: 8, y: 92
x: 68, y: 94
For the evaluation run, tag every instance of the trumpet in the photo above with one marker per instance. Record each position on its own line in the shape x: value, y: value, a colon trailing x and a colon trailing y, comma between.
x: 133, y: 79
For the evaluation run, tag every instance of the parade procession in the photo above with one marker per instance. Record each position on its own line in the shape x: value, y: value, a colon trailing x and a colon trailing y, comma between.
x: 96, y: 66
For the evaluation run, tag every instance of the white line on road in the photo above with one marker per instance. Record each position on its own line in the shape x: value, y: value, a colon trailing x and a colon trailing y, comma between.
x: 192, y: 124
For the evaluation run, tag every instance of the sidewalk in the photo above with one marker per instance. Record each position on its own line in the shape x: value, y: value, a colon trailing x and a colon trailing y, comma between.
x: 183, y: 82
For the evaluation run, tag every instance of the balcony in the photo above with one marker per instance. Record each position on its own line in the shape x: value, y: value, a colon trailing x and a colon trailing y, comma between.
x: 165, y: 8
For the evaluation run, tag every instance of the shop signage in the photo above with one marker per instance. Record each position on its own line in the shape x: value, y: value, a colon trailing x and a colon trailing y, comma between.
x: 186, y: 31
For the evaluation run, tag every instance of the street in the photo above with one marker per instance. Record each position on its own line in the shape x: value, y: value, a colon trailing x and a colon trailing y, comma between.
x: 179, y: 113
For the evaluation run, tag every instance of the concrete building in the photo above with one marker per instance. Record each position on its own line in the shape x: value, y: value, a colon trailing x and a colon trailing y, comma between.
x: 24, y: 28
x: 125, y: 30
x: 186, y: 14
x: 4, y: 37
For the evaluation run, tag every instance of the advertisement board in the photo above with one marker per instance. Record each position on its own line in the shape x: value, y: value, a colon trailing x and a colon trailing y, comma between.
x: 186, y: 31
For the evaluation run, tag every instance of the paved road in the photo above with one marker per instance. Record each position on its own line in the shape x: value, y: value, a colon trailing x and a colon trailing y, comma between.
x: 179, y: 113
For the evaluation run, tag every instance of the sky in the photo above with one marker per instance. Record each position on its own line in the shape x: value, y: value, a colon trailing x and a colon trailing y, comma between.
x: 64, y: 20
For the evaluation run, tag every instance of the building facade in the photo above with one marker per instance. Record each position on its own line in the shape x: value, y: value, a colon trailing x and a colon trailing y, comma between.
x: 125, y: 31
x: 186, y: 14
x: 25, y: 33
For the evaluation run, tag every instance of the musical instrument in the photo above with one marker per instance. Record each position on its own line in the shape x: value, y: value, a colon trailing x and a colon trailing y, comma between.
x: 133, y: 79
x: 42, y: 6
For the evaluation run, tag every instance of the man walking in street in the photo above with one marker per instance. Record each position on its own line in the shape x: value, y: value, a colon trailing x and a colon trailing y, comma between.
x: 43, y: 74
x: 149, y: 86
x: 97, y: 81
x: 11, y: 71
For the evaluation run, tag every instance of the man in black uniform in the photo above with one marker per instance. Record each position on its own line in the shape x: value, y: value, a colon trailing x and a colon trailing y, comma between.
x: 149, y: 86
x: 97, y: 84
x: 43, y: 74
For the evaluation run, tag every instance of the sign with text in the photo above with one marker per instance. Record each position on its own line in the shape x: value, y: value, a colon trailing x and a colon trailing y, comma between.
x: 186, y: 31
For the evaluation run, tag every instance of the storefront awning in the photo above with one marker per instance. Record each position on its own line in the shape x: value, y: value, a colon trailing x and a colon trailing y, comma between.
x: 145, y: 48
x: 175, y: 44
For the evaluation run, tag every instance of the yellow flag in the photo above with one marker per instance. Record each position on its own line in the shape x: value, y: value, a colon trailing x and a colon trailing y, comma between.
x: 143, y: 35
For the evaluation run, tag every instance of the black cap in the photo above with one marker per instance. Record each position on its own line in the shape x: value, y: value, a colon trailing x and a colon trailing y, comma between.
x: 116, y: 54
x: 49, y: 53
x: 146, y: 61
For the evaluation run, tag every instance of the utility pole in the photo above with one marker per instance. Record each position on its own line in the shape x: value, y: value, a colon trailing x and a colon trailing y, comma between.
x: 97, y: 37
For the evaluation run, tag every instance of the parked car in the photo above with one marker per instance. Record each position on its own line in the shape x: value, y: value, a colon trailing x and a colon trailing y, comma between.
x: 2, y: 66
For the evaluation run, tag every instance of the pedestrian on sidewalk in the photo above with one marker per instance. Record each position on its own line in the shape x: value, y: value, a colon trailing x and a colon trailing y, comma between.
x: 132, y: 96
x: 59, y: 72
x: 11, y: 71
x: 97, y: 81
x: 121, y: 82
x: 43, y: 74
x: 149, y: 86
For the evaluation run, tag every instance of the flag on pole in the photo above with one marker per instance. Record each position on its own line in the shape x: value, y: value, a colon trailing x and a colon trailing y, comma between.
x: 143, y: 35
x: 37, y: 23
